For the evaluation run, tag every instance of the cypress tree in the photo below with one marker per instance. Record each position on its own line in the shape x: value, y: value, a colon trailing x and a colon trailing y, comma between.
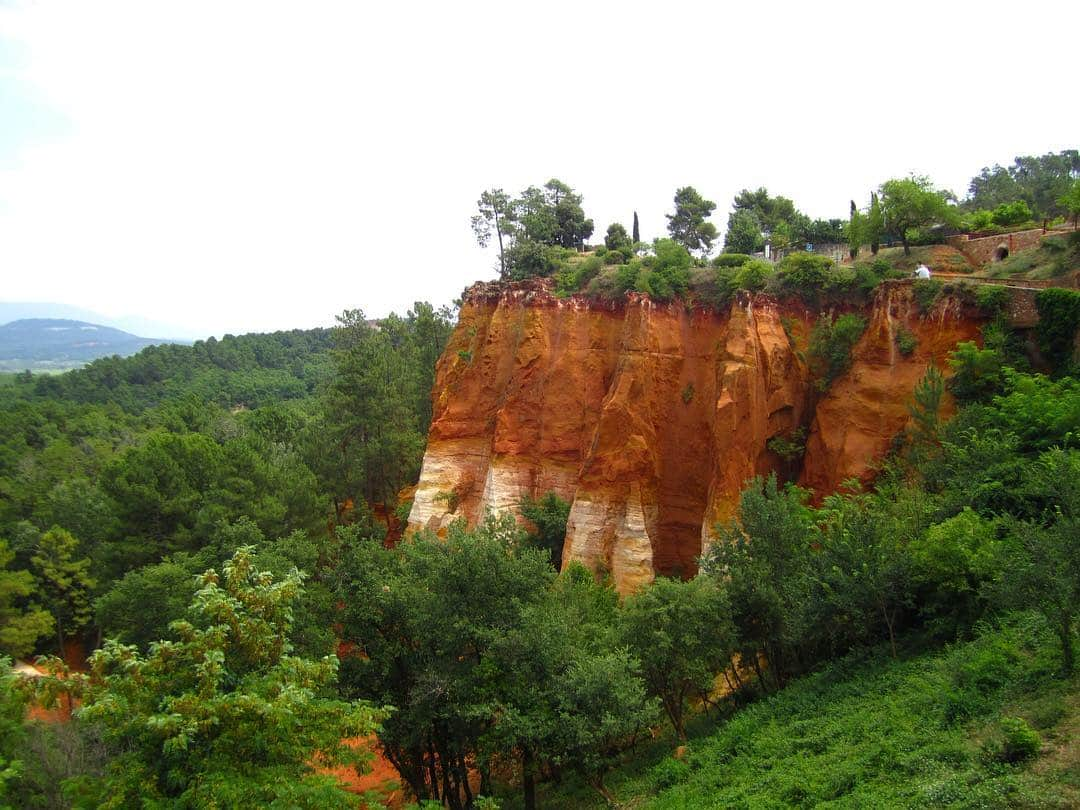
x: 637, y: 233
x: 875, y: 223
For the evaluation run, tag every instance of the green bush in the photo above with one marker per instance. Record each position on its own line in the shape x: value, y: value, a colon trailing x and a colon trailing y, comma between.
x: 615, y: 257
x: 601, y: 251
x: 906, y: 342
x: 577, y: 275
x: 713, y: 287
x: 669, y: 772
x: 731, y: 260
x: 979, y: 221
x: 753, y: 275
x: 1059, y: 318
x: 991, y: 299
x: 1012, y: 213
x: 830, y: 348
x: 1019, y: 740
x: 814, y: 278
x: 528, y: 259
x: 977, y: 373
x: 926, y: 292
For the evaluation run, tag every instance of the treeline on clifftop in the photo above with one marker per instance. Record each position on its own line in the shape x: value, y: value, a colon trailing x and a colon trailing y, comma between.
x: 543, y: 232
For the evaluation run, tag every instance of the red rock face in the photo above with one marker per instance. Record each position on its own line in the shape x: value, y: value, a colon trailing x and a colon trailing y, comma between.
x: 856, y: 421
x: 648, y: 418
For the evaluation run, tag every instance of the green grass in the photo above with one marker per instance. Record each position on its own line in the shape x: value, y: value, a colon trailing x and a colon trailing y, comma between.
x: 1055, y: 256
x: 867, y: 731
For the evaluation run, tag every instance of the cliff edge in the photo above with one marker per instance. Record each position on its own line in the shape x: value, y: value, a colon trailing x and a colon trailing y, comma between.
x: 649, y: 417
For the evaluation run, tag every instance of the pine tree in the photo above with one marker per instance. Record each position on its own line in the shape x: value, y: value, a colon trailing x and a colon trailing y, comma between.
x: 64, y: 582
x: 637, y: 231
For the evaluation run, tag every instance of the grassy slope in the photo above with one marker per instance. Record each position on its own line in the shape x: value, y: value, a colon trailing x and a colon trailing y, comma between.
x: 871, y: 732
x: 1057, y: 256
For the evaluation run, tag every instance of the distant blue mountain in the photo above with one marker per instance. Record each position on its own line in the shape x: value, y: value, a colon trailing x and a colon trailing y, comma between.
x: 21, y: 310
x: 55, y: 343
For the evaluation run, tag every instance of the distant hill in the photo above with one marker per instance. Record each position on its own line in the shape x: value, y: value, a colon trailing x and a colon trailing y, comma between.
x: 136, y: 325
x: 41, y: 344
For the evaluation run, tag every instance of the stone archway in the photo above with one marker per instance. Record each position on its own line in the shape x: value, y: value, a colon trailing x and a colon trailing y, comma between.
x: 1000, y: 252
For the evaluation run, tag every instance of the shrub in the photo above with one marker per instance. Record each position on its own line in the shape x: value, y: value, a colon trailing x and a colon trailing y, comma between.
x: 688, y: 393
x: 926, y: 292
x: 977, y: 373
x: 528, y: 259
x: 991, y: 299
x: 615, y: 257
x: 753, y: 275
x: 881, y: 267
x: 465, y: 355
x: 669, y: 772
x: 1019, y: 740
x: 714, y: 287
x: 906, y: 341
x: 601, y: 251
x: 805, y: 271
x: 550, y: 515
x: 978, y: 221
x: 731, y: 260
x: 830, y: 348
x: 1012, y: 213
x: 1059, y: 317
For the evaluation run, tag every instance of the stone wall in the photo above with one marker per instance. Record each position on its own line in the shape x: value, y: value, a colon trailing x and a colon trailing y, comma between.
x: 983, y: 249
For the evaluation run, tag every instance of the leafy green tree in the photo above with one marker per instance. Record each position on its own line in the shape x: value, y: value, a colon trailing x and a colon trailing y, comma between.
x: 743, y: 233
x: 866, y: 569
x: 550, y: 514
x: 572, y: 227
x: 64, y: 582
x: 951, y: 564
x: 1059, y: 322
x: 875, y: 224
x: 12, y: 733
x: 616, y: 237
x: 1039, y: 181
x: 636, y: 232
x: 913, y: 202
x: 558, y: 682
x: 20, y: 627
x: 688, y: 225
x: 855, y: 233
x: 978, y: 374
x: 683, y: 635
x: 1070, y: 201
x: 552, y: 216
x: 225, y: 716
x: 428, y: 616
x: 1040, y: 568
x: 496, y: 215
x: 139, y: 608
x: 765, y: 564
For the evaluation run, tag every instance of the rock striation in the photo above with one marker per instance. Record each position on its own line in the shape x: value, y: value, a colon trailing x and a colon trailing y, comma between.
x: 649, y: 417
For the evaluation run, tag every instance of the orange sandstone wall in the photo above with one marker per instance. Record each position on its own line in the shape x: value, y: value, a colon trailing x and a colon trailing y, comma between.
x: 648, y: 418
x: 857, y: 419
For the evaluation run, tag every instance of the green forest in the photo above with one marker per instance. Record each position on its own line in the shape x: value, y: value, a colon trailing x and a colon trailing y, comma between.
x: 193, y: 547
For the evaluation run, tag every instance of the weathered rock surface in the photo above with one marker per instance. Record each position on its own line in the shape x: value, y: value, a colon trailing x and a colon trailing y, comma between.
x: 649, y: 418
x: 862, y: 412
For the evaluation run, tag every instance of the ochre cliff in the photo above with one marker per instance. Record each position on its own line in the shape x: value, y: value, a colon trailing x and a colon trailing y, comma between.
x: 856, y: 420
x: 649, y: 418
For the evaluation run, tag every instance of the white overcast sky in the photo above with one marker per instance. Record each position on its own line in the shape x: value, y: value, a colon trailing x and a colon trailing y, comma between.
x: 237, y: 166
